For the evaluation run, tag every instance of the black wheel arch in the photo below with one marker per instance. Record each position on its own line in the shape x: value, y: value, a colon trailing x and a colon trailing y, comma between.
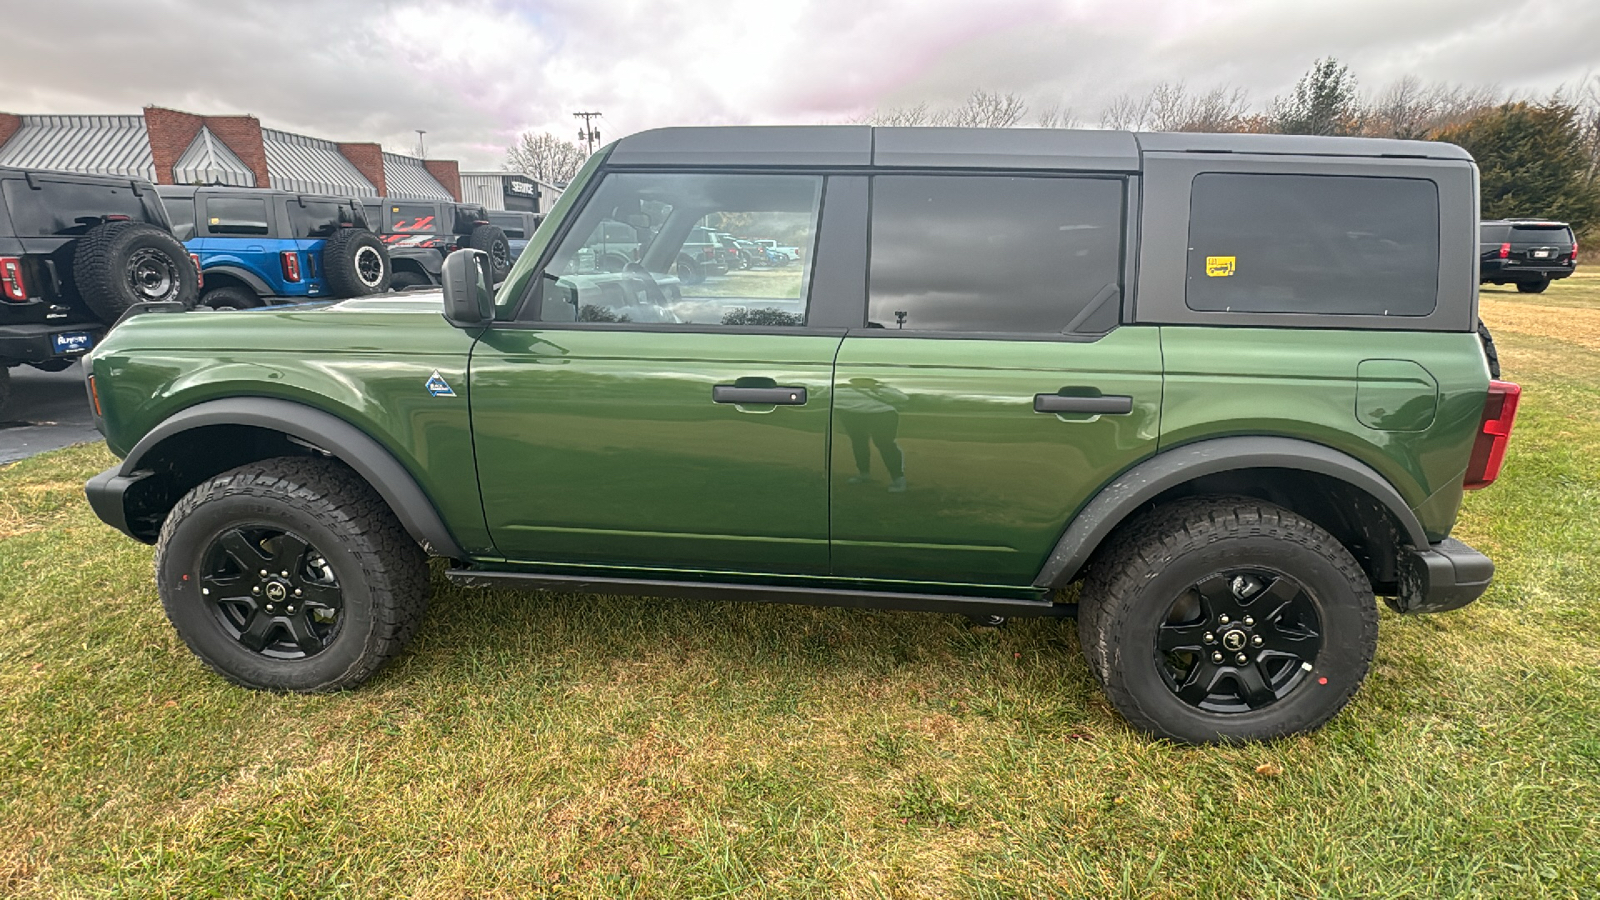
x: 209, y: 438
x: 233, y: 276
x: 1338, y: 492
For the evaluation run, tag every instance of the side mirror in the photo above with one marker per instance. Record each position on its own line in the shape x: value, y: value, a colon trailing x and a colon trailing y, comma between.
x: 468, y: 299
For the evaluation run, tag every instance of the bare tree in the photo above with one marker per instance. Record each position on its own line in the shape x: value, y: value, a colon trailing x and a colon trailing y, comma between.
x: 1410, y: 110
x: 1057, y: 116
x: 1588, y: 103
x: 545, y: 157
x: 1169, y: 106
x: 980, y: 110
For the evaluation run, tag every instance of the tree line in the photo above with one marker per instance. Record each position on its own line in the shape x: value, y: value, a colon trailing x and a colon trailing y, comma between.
x: 1537, y: 156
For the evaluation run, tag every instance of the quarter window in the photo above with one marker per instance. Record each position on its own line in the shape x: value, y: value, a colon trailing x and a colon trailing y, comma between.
x: 1026, y: 255
x: 181, y: 211
x: 236, y: 216
x: 412, y: 217
x: 1313, y: 244
x: 69, y: 207
x: 645, y: 250
x: 316, y: 218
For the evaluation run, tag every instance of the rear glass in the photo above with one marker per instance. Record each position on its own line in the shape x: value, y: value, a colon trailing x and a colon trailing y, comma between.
x: 318, y: 218
x: 237, y: 216
x: 69, y: 207
x: 1313, y: 244
x: 513, y: 224
x: 1544, y: 235
x: 181, y: 211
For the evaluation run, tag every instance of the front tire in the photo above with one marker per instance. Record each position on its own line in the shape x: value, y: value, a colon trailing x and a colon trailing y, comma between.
x: 1227, y: 619
x: 290, y: 574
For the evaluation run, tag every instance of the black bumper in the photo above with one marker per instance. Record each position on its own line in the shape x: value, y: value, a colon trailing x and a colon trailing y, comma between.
x: 1497, y: 272
x: 36, y: 343
x: 107, y: 493
x: 1448, y: 575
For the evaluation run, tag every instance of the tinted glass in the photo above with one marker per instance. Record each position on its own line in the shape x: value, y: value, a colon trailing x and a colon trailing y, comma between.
x: 642, y: 251
x: 236, y: 215
x: 68, y: 207
x: 316, y: 218
x: 1543, y: 235
x: 181, y: 211
x: 405, y: 217
x: 1314, y: 244
x: 994, y: 254
x: 511, y: 223
x: 1494, y: 234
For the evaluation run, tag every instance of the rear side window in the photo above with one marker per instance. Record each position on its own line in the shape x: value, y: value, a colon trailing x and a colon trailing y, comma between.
x: 181, y: 211
x: 511, y: 224
x: 317, y: 218
x: 237, y: 216
x: 68, y: 207
x: 1313, y: 244
x: 1028, y: 255
x: 409, y: 217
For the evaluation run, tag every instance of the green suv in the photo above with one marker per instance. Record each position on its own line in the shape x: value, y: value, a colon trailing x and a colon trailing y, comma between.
x: 1208, y: 394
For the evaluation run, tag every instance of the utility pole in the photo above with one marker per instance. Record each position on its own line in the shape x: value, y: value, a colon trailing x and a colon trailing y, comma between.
x: 588, y: 135
x: 422, y: 149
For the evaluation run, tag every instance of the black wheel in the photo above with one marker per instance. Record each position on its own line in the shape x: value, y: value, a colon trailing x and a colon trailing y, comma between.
x: 492, y: 240
x: 1532, y: 287
x: 290, y: 574
x: 5, y: 391
x: 688, y: 271
x: 356, y: 263
x: 612, y: 262
x: 1227, y: 619
x: 118, y: 264
x: 402, y: 280
x: 229, y: 297
x: 1489, y: 352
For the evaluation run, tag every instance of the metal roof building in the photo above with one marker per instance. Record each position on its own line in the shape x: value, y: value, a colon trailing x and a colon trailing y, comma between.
x: 508, y: 191
x: 169, y: 146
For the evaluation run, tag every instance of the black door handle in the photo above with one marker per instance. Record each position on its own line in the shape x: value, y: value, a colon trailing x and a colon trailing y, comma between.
x: 777, y: 396
x: 1113, y: 405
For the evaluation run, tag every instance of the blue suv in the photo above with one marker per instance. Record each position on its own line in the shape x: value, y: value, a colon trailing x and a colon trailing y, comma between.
x: 259, y: 246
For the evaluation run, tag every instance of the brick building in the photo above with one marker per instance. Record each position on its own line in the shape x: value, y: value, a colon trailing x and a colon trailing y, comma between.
x: 168, y: 146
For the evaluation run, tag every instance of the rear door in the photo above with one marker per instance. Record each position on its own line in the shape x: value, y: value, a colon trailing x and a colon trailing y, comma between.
x: 1540, y: 244
x: 313, y: 220
x: 991, y: 391
x: 627, y: 419
x: 240, y: 230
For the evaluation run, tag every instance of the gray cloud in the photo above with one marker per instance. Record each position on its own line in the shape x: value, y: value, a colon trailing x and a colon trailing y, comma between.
x: 473, y: 73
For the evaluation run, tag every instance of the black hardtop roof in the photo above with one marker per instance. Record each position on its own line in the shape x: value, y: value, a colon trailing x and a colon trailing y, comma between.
x: 15, y: 172
x: 191, y: 190
x: 1003, y: 148
x: 1536, y: 223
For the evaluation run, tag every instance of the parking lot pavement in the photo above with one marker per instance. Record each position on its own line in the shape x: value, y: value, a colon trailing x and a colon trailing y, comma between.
x: 48, y: 411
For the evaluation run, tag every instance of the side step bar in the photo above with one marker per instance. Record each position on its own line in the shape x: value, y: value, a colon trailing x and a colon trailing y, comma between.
x: 764, y: 593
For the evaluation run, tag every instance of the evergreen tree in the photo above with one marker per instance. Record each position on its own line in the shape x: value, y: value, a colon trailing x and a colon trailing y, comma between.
x: 1324, y: 102
x: 1531, y: 162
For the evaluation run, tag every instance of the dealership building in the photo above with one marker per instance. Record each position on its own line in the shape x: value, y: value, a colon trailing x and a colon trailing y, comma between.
x: 168, y: 146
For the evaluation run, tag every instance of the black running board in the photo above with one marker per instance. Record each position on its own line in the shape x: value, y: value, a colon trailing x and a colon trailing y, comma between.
x: 764, y: 593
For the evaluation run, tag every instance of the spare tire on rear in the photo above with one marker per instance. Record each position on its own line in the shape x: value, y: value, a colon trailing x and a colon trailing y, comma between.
x: 492, y: 240
x: 118, y: 264
x: 356, y: 263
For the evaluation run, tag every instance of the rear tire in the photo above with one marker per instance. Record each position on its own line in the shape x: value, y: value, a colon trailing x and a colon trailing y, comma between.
x: 492, y: 240
x: 5, y: 391
x: 356, y: 263
x: 118, y: 264
x: 229, y: 297
x: 1489, y: 352
x: 290, y: 574
x: 402, y: 280
x: 1189, y: 587
x: 688, y: 271
x: 1532, y: 287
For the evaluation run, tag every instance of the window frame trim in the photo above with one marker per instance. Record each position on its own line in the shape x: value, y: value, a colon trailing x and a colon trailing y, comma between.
x: 268, y: 218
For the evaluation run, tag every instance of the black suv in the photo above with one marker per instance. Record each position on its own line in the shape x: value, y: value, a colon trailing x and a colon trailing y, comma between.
x: 419, y: 233
x: 75, y: 252
x: 1529, y: 253
x: 258, y: 246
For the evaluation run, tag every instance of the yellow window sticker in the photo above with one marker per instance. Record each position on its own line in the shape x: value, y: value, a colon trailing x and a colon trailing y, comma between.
x: 215, y: 220
x: 1219, y: 266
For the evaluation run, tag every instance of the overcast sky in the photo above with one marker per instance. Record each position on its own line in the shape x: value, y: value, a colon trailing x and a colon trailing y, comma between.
x: 474, y: 74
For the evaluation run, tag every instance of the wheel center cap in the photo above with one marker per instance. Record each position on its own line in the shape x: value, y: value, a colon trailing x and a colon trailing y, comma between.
x: 1233, y: 640
x: 276, y: 592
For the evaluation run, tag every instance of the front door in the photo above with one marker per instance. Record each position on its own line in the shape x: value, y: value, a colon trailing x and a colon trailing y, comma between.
x: 631, y: 419
x: 992, y: 392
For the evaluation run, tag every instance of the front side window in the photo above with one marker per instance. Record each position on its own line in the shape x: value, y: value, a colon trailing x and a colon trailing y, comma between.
x: 968, y: 253
x: 643, y: 250
x: 1313, y: 244
x: 236, y: 216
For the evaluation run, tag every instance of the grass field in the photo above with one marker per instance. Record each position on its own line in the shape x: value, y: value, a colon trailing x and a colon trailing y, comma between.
x: 606, y: 746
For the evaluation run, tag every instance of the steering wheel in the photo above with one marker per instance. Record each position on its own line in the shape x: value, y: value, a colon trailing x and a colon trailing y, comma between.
x: 652, y: 291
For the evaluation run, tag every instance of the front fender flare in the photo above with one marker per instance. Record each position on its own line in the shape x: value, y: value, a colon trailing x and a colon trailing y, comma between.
x: 349, y: 444
x: 1149, y: 479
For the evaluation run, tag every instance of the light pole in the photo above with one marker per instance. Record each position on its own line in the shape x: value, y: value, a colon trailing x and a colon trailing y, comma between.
x: 588, y: 135
x: 422, y: 149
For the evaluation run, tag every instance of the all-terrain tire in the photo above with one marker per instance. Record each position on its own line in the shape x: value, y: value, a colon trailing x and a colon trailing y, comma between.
x: 356, y: 263
x: 118, y: 264
x: 5, y: 391
x: 229, y: 297
x: 491, y: 239
x: 1489, y: 352
x: 402, y: 280
x: 1157, y: 559
x: 688, y: 271
x: 380, y: 572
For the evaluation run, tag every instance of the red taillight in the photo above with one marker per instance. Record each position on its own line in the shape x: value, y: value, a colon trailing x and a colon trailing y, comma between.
x: 1489, y: 450
x: 1505, y: 250
x: 199, y: 273
x: 1574, y: 251
x: 11, y: 279
x: 291, y: 265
